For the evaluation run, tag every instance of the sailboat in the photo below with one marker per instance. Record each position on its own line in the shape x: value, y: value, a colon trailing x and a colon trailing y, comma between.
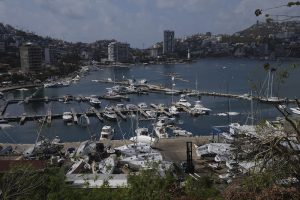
x: 173, y: 109
x: 269, y: 91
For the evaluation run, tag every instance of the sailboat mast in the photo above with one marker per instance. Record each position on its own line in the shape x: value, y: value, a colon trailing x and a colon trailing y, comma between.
x: 252, y: 114
x: 271, y: 85
x: 268, y: 86
x: 172, y: 89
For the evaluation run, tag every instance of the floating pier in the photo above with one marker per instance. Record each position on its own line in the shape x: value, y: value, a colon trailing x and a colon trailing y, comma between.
x: 3, y: 108
x: 23, y: 118
x: 120, y: 114
x: 143, y: 113
x: 94, y: 110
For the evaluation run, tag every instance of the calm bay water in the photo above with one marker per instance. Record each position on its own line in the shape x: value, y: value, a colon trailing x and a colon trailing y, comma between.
x: 215, y: 75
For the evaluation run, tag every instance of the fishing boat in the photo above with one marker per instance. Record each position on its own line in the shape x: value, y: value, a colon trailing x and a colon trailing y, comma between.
x: 67, y: 116
x: 107, y: 133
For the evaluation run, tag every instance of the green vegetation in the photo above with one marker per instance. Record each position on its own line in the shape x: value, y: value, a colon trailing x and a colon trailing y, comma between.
x: 22, y: 183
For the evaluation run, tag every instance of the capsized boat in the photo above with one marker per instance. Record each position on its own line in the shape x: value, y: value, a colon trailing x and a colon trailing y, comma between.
x: 133, y: 149
x: 107, y: 165
x: 140, y: 161
x: 161, y: 132
x: 182, y: 133
x: 213, y: 149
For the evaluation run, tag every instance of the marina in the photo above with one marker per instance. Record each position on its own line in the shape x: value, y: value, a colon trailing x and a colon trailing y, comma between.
x: 161, y: 97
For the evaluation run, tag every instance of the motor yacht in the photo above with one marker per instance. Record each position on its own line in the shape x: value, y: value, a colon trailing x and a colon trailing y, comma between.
x: 143, y: 136
x: 183, y: 102
x: 199, y: 109
x: 296, y: 110
x: 107, y: 133
x: 95, y: 101
x: 110, y: 115
x: 173, y: 110
x: 67, y: 116
x: 142, y: 105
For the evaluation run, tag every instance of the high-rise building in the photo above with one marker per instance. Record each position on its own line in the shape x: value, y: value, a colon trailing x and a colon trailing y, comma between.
x: 168, y: 46
x: 2, y: 47
x: 118, y: 52
x: 50, y: 54
x: 31, y: 57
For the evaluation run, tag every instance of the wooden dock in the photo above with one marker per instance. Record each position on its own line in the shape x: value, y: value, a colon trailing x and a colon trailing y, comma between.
x: 3, y: 108
x: 120, y: 114
x: 161, y: 110
x: 143, y: 113
x: 94, y: 110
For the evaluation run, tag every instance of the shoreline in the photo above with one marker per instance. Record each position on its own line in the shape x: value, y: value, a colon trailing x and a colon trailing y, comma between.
x: 172, y: 149
x: 6, y: 89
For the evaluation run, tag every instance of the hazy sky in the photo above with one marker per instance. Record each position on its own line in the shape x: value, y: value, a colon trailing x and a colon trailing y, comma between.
x: 135, y: 21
